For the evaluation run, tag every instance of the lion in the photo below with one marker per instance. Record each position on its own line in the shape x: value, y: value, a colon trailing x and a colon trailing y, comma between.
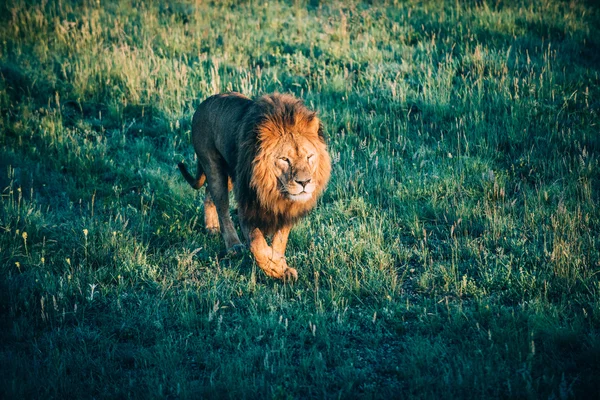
x: 272, y: 152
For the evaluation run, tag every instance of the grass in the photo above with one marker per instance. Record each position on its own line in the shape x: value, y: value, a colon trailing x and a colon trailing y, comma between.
x: 455, y: 253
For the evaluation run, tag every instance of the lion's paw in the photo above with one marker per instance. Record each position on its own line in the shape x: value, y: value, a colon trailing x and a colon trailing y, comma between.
x: 236, y: 249
x: 276, y: 267
x: 290, y: 275
x: 213, y: 230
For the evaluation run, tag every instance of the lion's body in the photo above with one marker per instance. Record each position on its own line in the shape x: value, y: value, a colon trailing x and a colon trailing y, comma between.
x: 274, y: 152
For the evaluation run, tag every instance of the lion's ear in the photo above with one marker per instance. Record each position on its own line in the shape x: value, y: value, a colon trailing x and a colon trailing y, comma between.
x: 315, y: 125
x: 321, y: 133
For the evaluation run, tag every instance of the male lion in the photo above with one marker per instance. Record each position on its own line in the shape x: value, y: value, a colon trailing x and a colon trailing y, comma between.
x: 274, y: 152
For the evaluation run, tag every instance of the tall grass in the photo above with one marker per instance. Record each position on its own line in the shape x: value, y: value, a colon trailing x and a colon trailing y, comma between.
x: 454, y: 254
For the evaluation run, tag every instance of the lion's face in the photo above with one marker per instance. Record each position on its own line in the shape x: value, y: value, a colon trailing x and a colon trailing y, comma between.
x: 291, y: 166
x: 295, y: 163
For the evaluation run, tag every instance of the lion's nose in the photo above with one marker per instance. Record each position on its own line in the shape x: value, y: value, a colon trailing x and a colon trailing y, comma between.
x: 303, y: 182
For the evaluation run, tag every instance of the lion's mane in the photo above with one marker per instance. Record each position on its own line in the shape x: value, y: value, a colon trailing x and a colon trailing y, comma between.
x: 256, y: 190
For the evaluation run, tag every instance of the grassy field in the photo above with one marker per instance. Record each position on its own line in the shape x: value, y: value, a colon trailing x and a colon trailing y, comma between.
x: 455, y: 254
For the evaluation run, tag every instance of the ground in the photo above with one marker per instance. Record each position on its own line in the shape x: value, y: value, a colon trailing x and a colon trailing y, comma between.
x: 455, y: 253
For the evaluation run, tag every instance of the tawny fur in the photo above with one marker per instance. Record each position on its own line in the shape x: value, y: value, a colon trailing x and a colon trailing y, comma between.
x: 241, y: 140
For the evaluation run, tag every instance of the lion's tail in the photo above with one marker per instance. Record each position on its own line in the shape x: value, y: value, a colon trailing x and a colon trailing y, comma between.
x: 197, y: 182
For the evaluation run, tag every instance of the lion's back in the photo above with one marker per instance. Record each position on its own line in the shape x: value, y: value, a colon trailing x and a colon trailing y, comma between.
x: 216, y: 122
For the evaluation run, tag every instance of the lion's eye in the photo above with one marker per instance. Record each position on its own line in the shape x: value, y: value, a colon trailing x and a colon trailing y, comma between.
x: 284, y: 159
x: 309, y: 157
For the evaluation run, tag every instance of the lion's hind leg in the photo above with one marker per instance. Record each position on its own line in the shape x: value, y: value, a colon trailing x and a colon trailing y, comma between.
x: 211, y: 218
x: 219, y: 196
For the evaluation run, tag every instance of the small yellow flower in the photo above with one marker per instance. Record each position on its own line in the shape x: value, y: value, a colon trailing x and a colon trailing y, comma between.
x: 24, y: 235
x: 85, y: 232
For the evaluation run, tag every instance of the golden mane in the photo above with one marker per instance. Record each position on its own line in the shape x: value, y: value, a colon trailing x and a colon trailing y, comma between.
x: 273, y: 117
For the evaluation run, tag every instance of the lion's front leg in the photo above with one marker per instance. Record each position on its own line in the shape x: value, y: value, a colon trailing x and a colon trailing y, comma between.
x: 280, y: 239
x: 271, y: 259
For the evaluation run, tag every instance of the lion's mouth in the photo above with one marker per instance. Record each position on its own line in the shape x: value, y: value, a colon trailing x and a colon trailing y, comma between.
x: 301, y: 197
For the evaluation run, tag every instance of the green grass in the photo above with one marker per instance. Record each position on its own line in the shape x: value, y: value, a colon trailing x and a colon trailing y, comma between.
x: 455, y: 253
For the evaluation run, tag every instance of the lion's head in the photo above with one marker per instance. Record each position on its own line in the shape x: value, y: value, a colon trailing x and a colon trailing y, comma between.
x: 290, y: 165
